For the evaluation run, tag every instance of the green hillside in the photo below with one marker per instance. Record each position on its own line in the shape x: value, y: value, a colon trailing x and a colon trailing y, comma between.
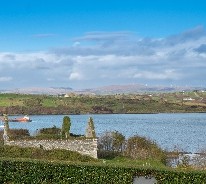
x: 119, y: 103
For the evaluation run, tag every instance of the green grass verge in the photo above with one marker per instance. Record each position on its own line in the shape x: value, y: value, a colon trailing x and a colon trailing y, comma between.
x: 38, y: 153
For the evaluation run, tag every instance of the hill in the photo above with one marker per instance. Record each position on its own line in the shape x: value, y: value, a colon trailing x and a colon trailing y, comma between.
x: 39, y: 90
x: 103, y: 90
x: 139, y: 88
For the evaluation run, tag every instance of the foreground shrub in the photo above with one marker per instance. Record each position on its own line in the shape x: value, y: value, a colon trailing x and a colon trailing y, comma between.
x: 54, y: 173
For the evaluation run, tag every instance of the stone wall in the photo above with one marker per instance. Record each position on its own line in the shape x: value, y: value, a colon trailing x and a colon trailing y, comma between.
x: 84, y: 146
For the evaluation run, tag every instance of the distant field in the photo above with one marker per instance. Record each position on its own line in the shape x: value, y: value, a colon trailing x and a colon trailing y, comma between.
x: 119, y: 103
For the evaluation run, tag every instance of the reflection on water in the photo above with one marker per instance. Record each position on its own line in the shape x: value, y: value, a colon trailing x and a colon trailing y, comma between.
x: 184, y: 131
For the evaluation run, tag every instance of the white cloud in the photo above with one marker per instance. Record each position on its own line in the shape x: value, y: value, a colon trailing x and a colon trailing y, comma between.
x: 75, y: 44
x: 167, y: 74
x: 75, y: 76
x: 5, y: 79
x: 112, y: 58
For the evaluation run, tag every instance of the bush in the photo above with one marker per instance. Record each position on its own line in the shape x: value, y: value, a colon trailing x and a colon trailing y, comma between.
x: 143, y: 148
x: 15, y: 134
x: 49, y: 133
x: 53, y: 133
x: 53, y: 130
x: 18, y: 134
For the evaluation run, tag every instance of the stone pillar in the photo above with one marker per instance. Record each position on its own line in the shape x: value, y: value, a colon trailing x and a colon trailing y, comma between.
x: 90, y: 130
x: 6, y: 128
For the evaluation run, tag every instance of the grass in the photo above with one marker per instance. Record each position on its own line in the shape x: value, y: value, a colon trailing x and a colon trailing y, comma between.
x: 132, y: 163
x: 40, y: 154
x: 65, y: 156
x: 70, y: 157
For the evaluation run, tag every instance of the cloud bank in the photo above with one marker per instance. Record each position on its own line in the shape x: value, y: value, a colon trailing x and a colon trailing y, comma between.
x: 104, y: 58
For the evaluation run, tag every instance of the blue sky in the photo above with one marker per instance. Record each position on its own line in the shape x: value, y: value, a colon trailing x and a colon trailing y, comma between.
x: 90, y: 43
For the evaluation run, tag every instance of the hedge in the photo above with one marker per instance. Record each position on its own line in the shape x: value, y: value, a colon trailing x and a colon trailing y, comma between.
x: 31, y: 172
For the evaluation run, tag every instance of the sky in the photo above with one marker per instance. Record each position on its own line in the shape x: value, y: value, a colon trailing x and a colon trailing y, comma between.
x: 92, y: 43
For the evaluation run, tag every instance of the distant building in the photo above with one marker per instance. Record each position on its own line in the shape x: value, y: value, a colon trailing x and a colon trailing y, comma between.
x: 66, y: 95
x: 188, y: 99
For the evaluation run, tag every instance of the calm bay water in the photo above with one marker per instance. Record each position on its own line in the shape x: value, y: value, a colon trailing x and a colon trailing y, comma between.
x: 186, y: 131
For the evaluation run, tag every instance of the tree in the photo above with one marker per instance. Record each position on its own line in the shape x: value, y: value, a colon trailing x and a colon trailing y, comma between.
x: 66, y: 127
x: 90, y: 131
x: 118, y: 141
x: 111, y: 144
x: 105, y: 142
x: 111, y: 141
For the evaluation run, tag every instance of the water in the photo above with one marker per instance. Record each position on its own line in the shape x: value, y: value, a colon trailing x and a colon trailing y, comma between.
x: 185, y: 131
